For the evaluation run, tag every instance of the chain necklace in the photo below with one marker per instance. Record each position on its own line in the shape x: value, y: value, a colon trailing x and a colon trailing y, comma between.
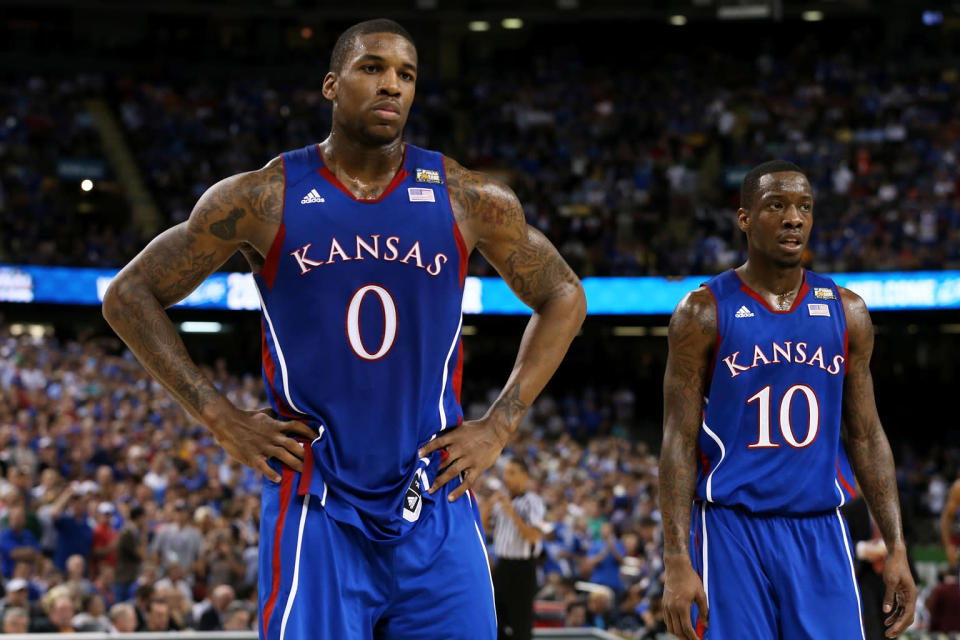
x: 783, y: 299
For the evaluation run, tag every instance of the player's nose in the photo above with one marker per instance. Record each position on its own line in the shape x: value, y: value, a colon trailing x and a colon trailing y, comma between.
x: 792, y: 218
x: 389, y: 83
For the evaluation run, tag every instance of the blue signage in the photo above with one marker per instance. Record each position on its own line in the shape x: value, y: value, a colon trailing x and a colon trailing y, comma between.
x: 917, y: 290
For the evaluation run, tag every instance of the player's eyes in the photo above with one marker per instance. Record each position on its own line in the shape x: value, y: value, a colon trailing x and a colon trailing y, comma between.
x: 370, y: 68
x: 407, y: 76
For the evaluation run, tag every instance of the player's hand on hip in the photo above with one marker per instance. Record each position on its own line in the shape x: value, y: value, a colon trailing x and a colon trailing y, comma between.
x: 900, y: 598
x: 683, y: 587
x: 472, y: 448
x: 251, y: 437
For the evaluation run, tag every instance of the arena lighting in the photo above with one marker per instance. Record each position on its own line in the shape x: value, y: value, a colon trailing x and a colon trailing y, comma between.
x: 678, y: 20
x: 932, y: 18
x: 629, y: 332
x: 812, y: 16
x: 478, y: 25
x: 201, y: 327
x: 512, y: 23
x: 87, y: 185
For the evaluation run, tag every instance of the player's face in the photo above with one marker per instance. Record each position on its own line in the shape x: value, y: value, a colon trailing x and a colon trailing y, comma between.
x: 779, y: 221
x: 373, y: 92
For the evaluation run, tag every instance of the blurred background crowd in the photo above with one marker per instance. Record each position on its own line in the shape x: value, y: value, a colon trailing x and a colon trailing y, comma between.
x: 118, y: 512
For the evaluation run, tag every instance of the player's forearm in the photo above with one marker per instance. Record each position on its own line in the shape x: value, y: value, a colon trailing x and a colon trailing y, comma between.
x: 678, y: 484
x: 946, y: 528
x: 136, y: 315
x: 872, y: 462
x: 545, y: 341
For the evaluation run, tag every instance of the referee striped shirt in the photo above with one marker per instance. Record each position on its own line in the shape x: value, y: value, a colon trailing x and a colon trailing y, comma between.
x: 507, y: 540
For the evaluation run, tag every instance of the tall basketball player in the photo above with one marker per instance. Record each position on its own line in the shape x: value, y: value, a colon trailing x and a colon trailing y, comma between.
x: 764, y: 363
x: 359, y: 246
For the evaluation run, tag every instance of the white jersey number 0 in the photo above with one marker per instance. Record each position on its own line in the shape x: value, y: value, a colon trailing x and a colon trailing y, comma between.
x: 389, y: 309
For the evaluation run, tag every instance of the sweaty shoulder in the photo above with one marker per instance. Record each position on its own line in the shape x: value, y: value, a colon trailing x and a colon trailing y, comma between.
x: 694, y: 321
x: 483, y: 206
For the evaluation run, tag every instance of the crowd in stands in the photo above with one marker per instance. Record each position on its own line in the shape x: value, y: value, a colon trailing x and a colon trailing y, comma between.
x: 629, y: 169
x: 118, y: 512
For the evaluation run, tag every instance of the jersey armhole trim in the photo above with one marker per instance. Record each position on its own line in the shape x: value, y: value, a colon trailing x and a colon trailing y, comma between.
x: 269, y: 268
x: 457, y: 234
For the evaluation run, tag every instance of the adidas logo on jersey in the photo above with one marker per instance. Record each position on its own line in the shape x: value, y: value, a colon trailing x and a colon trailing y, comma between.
x: 743, y: 312
x: 312, y: 197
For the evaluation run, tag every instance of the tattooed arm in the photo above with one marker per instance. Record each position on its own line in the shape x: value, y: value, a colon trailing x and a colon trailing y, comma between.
x: 691, y: 338
x: 239, y: 213
x: 872, y: 463
x: 491, y: 219
x: 948, y: 520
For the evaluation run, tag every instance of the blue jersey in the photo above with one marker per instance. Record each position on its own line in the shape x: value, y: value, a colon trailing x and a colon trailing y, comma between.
x: 361, y: 309
x: 770, y: 438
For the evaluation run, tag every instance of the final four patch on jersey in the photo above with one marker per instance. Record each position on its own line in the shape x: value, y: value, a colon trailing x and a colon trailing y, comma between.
x: 421, y: 194
x: 824, y: 293
x: 817, y: 309
x: 430, y: 176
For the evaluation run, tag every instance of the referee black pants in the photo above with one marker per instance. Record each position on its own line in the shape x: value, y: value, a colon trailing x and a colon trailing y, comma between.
x: 514, y: 586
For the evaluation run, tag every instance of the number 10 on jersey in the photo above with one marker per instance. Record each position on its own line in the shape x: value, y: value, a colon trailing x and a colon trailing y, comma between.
x: 763, y: 400
x: 389, y: 309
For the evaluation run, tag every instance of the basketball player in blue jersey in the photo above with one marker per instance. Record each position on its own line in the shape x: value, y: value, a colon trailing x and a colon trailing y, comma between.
x: 359, y: 246
x: 765, y: 362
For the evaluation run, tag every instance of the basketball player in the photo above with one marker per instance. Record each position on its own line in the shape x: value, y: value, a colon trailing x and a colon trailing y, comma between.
x: 948, y: 523
x: 359, y: 247
x: 764, y: 363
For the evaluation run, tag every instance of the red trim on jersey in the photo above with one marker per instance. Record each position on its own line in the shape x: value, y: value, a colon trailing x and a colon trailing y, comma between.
x: 270, y: 369
x: 458, y: 371
x: 804, y: 289
x: 461, y: 248
x: 700, y: 628
x: 843, y: 481
x: 846, y: 346
x: 304, y: 487
x: 269, y: 269
x: 286, y: 485
x: 399, y: 177
x: 704, y: 461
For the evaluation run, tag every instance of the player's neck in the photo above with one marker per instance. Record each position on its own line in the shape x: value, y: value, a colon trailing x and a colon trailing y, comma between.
x: 765, y: 278
x: 361, y: 162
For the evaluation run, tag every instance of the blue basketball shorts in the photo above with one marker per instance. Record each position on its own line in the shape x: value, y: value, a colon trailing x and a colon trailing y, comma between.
x: 786, y: 577
x: 324, y: 580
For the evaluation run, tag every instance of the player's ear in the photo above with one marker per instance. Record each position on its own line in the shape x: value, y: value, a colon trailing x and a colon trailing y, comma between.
x: 743, y: 219
x: 330, y: 86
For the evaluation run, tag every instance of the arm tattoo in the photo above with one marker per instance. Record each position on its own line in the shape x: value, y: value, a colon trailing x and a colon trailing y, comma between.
x: 509, y: 405
x: 226, y: 229
x: 691, y: 336
x: 528, y: 262
x: 867, y: 445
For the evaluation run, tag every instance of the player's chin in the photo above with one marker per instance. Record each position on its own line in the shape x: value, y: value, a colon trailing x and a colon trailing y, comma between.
x: 383, y: 132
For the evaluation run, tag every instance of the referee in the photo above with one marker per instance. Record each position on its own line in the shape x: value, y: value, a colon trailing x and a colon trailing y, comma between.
x: 516, y: 522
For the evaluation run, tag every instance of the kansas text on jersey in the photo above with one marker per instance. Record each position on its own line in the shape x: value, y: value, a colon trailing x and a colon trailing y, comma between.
x: 770, y: 439
x: 361, y: 318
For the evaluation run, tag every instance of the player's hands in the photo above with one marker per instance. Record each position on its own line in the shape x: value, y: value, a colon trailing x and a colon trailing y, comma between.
x: 251, y: 437
x: 901, y: 595
x: 682, y: 587
x: 473, y: 447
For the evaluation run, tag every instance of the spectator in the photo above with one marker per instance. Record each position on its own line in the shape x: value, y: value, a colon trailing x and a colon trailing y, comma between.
x: 603, y: 559
x: 74, y: 535
x: 213, y: 616
x: 943, y: 603
x: 92, y: 616
x: 237, y: 618
x: 76, y: 577
x: 104, y: 542
x: 143, y: 597
x: 123, y: 618
x: 17, y: 595
x: 599, y: 609
x: 131, y: 549
x: 59, y: 614
x: 158, y: 616
x: 105, y: 584
x: 17, y: 543
x: 179, y: 542
x: 576, y: 614
x: 15, y: 620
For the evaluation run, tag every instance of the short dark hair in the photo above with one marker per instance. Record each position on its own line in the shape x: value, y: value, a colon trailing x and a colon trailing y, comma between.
x: 751, y: 181
x: 345, y: 43
x: 521, y: 464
